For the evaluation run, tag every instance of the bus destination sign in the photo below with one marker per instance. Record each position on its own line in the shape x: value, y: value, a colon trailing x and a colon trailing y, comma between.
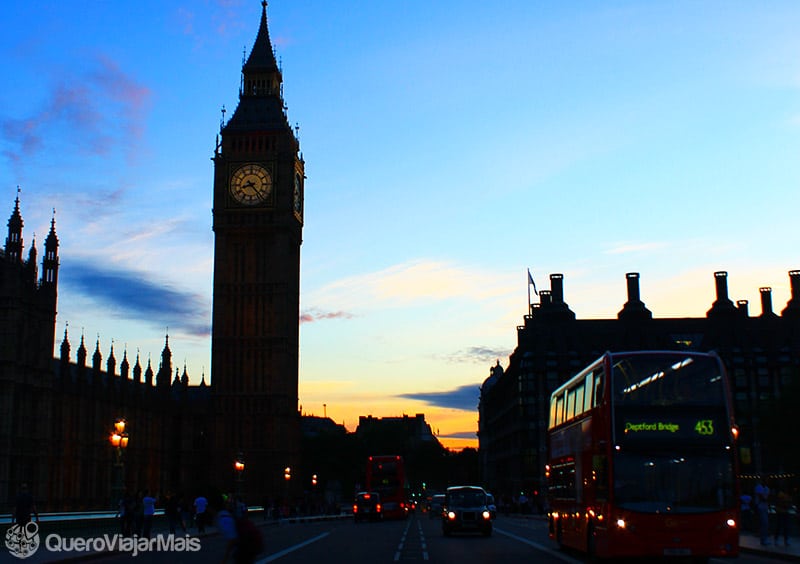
x: 681, y: 427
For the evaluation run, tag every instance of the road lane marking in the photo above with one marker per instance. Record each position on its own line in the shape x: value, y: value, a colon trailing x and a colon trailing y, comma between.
x: 538, y: 546
x: 284, y: 552
x: 422, y: 542
x: 402, y: 541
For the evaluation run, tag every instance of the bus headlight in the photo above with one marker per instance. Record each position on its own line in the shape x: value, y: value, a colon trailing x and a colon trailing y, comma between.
x: 731, y: 523
x: 620, y: 523
x: 451, y: 515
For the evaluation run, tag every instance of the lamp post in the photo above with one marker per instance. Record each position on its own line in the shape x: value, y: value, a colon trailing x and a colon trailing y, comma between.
x: 238, y: 467
x: 314, y: 496
x: 119, y: 440
x: 287, y: 476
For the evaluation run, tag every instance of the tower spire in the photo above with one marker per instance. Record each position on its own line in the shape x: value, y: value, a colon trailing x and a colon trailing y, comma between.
x: 14, y: 238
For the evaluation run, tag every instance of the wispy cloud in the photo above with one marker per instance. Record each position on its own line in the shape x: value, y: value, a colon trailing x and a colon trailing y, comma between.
x: 479, y: 354
x: 135, y: 295
x: 316, y: 315
x: 463, y: 397
x: 467, y: 435
x: 417, y: 281
x: 101, y: 110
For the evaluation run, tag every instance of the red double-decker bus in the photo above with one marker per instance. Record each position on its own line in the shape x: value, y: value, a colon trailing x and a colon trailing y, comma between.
x: 386, y: 475
x: 642, y: 458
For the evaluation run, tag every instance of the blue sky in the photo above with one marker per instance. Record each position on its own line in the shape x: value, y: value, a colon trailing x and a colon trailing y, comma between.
x: 449, y: 146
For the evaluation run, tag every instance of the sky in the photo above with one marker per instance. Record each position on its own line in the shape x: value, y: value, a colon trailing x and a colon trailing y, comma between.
x: 449, y: 147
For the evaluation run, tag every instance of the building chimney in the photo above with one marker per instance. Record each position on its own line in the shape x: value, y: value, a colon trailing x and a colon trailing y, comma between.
x: 721, y: 280
x: 742, y: 306
x: 634, y: 307
x: 792, y: 308
x: 557, y: 288
x: 552, y: 301
x: 766, y: 302
x: 633, y: 286
x: 723, y: 304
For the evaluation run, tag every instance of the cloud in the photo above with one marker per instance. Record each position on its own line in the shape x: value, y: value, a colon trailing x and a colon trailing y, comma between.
x: 100, y: 110
x: 480, y: 354
x: 464, y: 397
x: 413, y: 282
x: 137, y: 296
x: 313, y: 315
x: 469, y: 435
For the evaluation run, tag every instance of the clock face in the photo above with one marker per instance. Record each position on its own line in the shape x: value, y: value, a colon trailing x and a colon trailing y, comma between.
x: 251, y: 184
x: 298, y: 196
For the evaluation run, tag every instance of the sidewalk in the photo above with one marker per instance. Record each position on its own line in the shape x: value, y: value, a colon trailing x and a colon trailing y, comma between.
x: 750, y: 543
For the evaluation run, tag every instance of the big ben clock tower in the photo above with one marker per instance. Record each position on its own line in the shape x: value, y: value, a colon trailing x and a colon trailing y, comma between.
x: 258, y: 222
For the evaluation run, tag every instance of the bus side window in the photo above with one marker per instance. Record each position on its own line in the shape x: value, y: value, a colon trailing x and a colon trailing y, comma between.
x: 560, y: 409
x: 588, y: 393
x: 600, y: 476
x: 579, y: 399
x: 570, y: 400
x: 553, y: 412
x: 598, y: 387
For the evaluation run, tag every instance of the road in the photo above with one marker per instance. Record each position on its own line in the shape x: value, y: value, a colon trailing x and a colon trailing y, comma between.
x: 418, y: 539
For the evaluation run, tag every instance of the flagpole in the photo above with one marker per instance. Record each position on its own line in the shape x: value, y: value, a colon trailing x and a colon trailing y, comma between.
x: 529, y: 291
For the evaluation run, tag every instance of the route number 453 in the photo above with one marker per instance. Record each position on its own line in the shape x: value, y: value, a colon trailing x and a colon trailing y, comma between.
x: 704, y: 427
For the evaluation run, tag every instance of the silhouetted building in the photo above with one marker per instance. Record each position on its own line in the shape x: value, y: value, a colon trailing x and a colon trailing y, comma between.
x: 410, y: 431
x: 56, y: 416
x: 761, y: 354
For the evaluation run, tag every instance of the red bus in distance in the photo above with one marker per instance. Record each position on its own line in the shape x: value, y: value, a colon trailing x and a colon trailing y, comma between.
x: 386, y: 475
x: 642, y: 458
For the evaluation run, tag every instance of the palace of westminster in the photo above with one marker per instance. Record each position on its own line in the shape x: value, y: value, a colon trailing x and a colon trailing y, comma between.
x: 56, y: 414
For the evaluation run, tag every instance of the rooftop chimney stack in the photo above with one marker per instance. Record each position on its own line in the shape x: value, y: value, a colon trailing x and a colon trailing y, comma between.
x: 721, y: 280
x: 792, y: 308
x: 557, y: 288
x: 634, y: 307
x: 723, y: 304
x: 633, y: 286
x: 766, y: 301
x: 742, y: 306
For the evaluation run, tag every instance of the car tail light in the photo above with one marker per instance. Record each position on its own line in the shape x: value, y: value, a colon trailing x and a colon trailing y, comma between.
x: 378, y: 508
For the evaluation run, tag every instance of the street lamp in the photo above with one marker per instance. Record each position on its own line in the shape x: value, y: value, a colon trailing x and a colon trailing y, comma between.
x: 119, y: 440
x: 238, y: 467
x: 287, y: 476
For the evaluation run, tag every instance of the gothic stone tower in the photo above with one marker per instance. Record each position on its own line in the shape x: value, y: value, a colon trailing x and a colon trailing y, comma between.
x: 258, y: 221
x: 27, y: 334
